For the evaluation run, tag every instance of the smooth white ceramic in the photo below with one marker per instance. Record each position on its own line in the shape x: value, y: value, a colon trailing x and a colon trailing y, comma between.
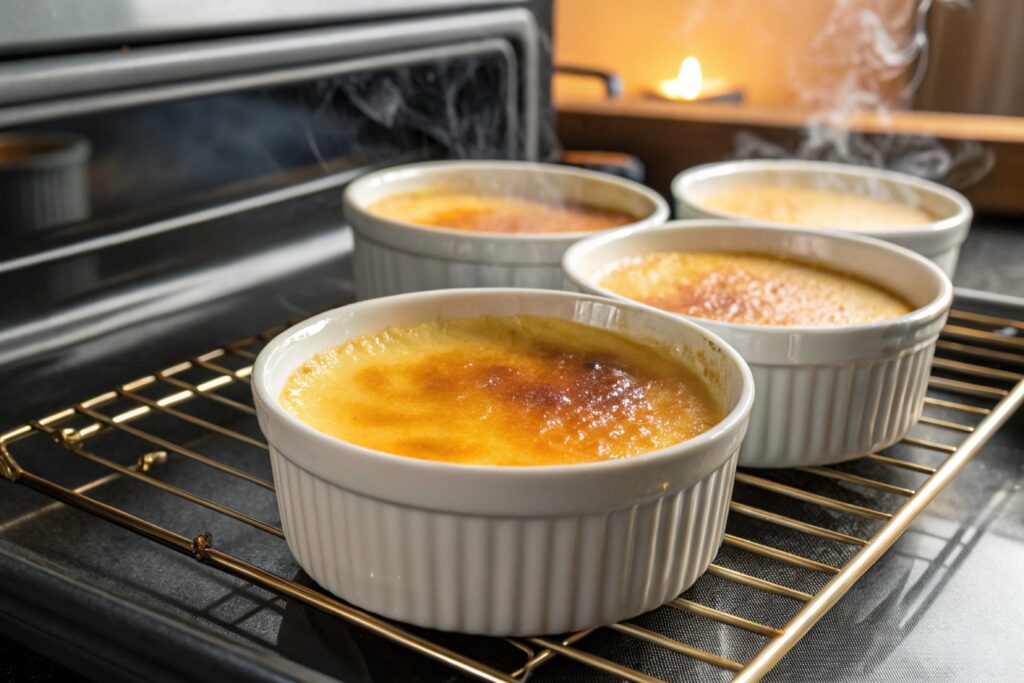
x: 501, y: 550
x: 824, y: 395
x: 939, y: 240
x: 393, y: 257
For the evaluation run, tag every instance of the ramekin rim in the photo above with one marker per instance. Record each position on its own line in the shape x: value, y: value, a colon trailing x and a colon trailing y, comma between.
x: 963, y: 215
x: 661, y: 211
x: 69, y: 147
x: 918, y: 317
x: 732, y: 420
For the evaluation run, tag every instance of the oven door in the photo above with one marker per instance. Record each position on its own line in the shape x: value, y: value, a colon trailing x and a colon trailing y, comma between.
x: 202, y: 154
x: 214, y: 170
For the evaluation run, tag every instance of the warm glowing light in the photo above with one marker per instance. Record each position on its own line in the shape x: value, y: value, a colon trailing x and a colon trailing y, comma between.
x: 687, y: 85
x: 691, y: 86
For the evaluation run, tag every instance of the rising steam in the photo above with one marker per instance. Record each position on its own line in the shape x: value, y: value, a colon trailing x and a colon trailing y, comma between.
x: 869, y: 63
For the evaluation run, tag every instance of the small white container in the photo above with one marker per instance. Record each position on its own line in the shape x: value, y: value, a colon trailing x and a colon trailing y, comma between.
x: 939, y: 240
x: 393, y: 257
x: 824, y: 394
x: 43, y: 181
x: 502, y: 550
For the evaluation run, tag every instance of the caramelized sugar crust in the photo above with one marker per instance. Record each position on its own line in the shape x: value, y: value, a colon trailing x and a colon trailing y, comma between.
x: 488, y: 213
x: 817, y: 208
x: 518, y: 390
x: 751, y: 289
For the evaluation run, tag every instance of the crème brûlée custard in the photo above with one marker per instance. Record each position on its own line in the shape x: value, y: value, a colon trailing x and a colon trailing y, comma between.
x: 492, y: 213
x: 508, y: 390
x: 817, y: 208
x: 751, y: 289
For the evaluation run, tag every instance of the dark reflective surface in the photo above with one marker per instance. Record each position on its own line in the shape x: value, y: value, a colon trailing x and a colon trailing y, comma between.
x: 145, y: 163
x: 945, y: 602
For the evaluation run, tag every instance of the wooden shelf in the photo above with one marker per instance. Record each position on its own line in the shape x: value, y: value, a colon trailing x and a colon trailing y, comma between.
x: 669, y: 137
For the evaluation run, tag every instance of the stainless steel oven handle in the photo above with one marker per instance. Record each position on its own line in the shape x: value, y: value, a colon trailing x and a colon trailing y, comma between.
x: 613, y: 84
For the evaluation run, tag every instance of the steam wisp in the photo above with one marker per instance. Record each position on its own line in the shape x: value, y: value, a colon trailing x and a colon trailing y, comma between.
x: 862, y: 59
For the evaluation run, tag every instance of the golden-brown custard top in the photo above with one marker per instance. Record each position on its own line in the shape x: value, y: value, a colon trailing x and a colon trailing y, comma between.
x: 817, y: 208
x: 492, y: 213
x: 750, y: 289
x: 516, y: 390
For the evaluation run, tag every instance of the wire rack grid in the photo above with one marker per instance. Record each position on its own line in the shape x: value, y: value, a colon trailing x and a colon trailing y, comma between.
x: 976, y: 385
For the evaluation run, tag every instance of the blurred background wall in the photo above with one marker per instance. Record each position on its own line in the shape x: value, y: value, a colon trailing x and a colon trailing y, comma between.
x: 804, y: 52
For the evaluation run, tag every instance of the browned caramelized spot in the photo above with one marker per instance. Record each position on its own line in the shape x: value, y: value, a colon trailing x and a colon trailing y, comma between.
x: 751, y: 289
x: 372, y: 378
x: 508, y: 391
x: 567, y: 391
x: 485, y: 213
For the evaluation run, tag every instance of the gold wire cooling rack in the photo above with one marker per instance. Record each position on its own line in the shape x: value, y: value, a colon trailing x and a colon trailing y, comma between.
x: 974, y: 388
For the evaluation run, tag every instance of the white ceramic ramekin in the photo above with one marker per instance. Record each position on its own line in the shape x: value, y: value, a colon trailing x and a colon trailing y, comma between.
x: 939, y: 240
x: 43, y: 180
x: 501, y: 550
x: 824, y: 395
x: 393, y: 257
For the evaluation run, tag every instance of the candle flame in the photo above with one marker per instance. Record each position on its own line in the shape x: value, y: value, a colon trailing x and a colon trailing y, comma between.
x: 687, y: 85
